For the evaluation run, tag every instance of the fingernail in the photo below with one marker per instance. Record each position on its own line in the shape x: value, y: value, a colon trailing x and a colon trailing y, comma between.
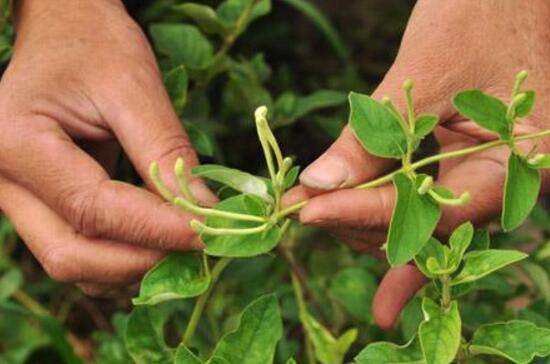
x: 326, y: 173
x: 206, y: 197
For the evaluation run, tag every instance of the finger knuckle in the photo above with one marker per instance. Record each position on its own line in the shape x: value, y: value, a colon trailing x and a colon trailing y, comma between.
x: 92, y: 290
x: 175, y: 146
x: 80, y: 207
x: 57, y: 264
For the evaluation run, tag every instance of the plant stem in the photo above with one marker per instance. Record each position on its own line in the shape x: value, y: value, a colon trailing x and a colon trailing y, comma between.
x: 202, y: 211
x: 290, y: 210
x: 445, y: 291
x: 426, y: 161
x: 201, y: 228
x: 31, y: 304
x: 300, y: 274
x: 201, y: 301
x: 299, y: 294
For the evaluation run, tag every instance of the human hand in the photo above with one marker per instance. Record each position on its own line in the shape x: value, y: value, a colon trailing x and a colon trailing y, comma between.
x: 82, y: 77
x: 447, y: 47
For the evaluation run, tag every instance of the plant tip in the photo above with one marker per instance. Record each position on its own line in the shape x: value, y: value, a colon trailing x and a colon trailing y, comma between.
x: 426, y: 185
x: 465, y: 198
x: 518, y: 99
x: 261, y: 112
x: 154, y: 168
x: 536, y: 159
x: 522, y: 75
x: 408, y: 85
x: 197, y: 226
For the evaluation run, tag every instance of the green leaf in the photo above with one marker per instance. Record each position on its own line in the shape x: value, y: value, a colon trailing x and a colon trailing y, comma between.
x: 525, y: 107
x: 144, y: 337
x: 175, y: 82
x: 478, y: 264
x: 290, y: 107
x: 520, y: 192
x: 354, y: 289
x: 230, y: 11
x: 481, y: 240
x: 186, y: 356
x: 413, y: 221
x: 202, y: 142
x: 203, y: 15
x: 378, y: 131
x: 244, y: 92
x: 10, y: 282
x: 217, y: 360
x: 411, y: 317
x: 234, y: 178
x: 459, y: 241
x: 291, y: 361
x: 109, y: 347
x: 517, y: 341
x: 390, y: 353
x: 240, y: 245
x: 487, y: 111
x: 178, y: 276
x: 50, y: 328
x: 540, y: 161
x: 182, y: 44
x: 327, y: 348
x: 255, y: 339
x: 323, y: 23
x: 425, y: 124
x: 440, y: 332
x: 432, y: 249
x: 291, y: 177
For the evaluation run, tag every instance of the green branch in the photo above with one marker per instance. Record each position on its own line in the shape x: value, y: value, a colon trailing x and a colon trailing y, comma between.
x: 201, y: 302
x: 424, y: 162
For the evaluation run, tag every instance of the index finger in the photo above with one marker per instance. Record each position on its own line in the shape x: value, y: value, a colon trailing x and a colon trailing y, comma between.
x: 77, y: 188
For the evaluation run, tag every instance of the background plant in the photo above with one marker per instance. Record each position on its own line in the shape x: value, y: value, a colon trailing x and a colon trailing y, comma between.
x: 323, y: 292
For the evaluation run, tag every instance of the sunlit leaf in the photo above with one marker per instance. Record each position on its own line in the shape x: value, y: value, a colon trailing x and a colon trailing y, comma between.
x: 255, y: 339
x: 390, y: 353
x: 487, y: 111
x: 240, y: 245
x: 460, y: 241
x: 178, y: 276
x: 520, y: 192
x: 425, y: 124
x: 440, y: 332
x: 517, y: 341
x: 234, y: 178
x: 182, y: 44
x: 144, y: 337
x: 478, y: 264
x: 524, y: 108
x: 327, y: 348
x: 413, y: 221
x: 376, y: 128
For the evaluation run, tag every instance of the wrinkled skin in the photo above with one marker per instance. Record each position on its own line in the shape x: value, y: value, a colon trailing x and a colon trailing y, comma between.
x: 83, y: 80
x: 447, y: 46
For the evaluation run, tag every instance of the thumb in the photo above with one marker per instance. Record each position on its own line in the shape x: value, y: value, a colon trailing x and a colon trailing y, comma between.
x: 398, y: 286
x: 346, y: 163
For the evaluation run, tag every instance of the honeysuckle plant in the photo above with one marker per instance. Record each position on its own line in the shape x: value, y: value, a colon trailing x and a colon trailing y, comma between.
x: 318, y: 306
x: 250, y: 221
